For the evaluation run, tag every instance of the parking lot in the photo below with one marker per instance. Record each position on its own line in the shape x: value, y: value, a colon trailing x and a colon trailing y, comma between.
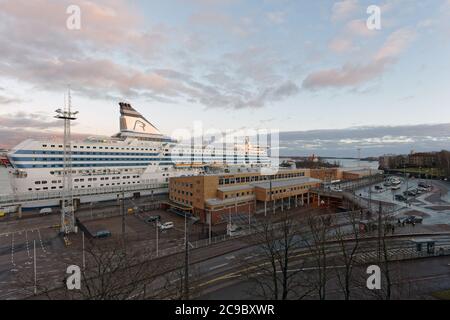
x: 432, y: 205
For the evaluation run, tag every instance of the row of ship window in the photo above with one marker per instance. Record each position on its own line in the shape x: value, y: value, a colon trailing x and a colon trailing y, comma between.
x: 113, y: 159
x: 95, y: 147
x: 87, y: 165
x: 88, y: 179
x: 89, y: 171
x: 86, y: 153
x: 83, y: 186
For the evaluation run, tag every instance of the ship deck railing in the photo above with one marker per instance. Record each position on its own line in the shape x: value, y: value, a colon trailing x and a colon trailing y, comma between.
x: 19, y: 198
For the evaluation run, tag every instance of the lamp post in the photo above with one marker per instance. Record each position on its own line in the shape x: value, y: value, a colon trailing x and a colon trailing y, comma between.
x: 34, y: 267
x: 157, y: 238
x: 84, y: 252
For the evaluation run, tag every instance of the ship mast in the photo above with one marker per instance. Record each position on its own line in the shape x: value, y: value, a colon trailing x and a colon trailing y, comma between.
x: 67, y: 205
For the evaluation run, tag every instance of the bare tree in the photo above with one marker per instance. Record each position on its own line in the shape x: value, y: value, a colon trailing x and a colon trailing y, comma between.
x: 348, y: 239
x: 316, y: 242
x: 273, y: 274
x: 113, y: 272
x: 174, y: 282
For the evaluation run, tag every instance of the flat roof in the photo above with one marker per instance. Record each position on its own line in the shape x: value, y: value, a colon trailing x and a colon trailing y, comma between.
x: 361, y: 170
x: 263, y: 171
x: 235, y: 188
x: 285, y: 182
x: 216, y: 202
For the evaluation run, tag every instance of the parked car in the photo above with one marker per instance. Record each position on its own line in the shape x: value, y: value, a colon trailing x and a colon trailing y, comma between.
x: 102, y: 234
x: 411, y: 219
x: 424, y: 185
x: 166, y: 225
x: 410, y: 193
x: 399, y: 197
x: 151, y: 219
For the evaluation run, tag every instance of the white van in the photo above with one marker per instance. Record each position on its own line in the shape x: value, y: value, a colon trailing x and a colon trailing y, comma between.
x: 46, y: 211
x: 166, y: 225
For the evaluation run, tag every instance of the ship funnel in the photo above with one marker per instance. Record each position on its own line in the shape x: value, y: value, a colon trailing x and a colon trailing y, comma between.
x: 131, y: 120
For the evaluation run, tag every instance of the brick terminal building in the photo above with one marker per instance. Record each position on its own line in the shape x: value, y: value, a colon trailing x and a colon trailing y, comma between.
x: 249, y: 191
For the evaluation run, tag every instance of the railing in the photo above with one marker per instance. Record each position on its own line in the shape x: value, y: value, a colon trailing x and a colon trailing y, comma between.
x: 19, y: 198
x: 404, y: 253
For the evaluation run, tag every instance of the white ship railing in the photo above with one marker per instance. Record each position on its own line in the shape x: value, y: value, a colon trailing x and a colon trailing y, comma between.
x: 19, y: 198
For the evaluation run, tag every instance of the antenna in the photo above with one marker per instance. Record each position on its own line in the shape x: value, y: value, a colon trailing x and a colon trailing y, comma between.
x: 67, y: 205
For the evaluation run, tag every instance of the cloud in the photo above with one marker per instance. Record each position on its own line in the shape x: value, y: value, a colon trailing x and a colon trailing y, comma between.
x: 22, y: 120
x: 341, y: 45
x: 276, y: 17
x: 374, y: 141
x: 10, y: 137
x: 358, y: 27
x: 344, y: 9
x: 4, y: 100
x: 353, y: 74
x: 396, y: 43
x: 349, y: 75
x: 116, y: 55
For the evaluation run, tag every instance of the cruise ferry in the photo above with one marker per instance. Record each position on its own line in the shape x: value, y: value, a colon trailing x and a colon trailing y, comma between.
x: 138, y: 154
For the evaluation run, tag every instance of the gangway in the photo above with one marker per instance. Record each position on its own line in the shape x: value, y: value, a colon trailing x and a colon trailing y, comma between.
x: 29, y: 197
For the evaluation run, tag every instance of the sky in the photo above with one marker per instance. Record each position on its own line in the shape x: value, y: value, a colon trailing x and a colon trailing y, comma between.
x: 286, y: 65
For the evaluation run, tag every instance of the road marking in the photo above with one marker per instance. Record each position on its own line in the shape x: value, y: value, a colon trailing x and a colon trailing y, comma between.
x: 40, y: 240
x: 230, y: 257
x: 218, y: 266
x: 175, y: 280
x: 12, y: 250
x: 28, y: 247
x: 248, y: 257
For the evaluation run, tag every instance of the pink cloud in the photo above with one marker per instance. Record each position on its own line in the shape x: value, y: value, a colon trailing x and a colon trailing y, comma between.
x: 396, y: 43
x: 341, y: 45
x: 344, y: 9
x: 353, y: 75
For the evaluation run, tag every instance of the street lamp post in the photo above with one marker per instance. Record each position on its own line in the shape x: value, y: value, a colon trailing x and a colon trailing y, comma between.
x: 34, y: 267
x: 157, y: 239
x: 249, y: 217
x: 210, y: 225
x: 84, y: 252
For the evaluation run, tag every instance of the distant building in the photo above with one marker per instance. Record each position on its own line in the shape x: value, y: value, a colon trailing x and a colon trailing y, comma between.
x: 393, y: 161
x: 423, y: 159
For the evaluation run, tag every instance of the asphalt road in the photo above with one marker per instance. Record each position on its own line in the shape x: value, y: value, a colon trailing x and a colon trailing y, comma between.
x: 413, y: 279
